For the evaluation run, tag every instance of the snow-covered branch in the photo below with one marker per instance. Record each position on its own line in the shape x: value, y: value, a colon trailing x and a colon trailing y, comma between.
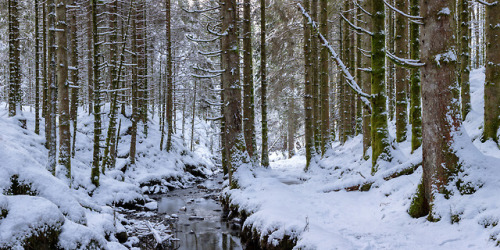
x: 362, y: 9
x: 403, y: 62
x: 205, y: 76
x: 211, y: 71
x: 350, y: 79
x: 202, y: 10
x: 356, y: 27
x: 191, y: 38
x: 401, y: 12
x: 486, y: 3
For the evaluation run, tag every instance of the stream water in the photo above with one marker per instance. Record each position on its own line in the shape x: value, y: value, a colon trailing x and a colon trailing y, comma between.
x: 189, y: 219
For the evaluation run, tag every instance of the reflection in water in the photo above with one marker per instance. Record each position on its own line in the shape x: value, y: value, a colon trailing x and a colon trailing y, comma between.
x: 198, y: 222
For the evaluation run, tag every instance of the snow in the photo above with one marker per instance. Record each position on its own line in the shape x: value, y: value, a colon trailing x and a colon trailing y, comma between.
x: 316, y: 210
x: 85, y: 215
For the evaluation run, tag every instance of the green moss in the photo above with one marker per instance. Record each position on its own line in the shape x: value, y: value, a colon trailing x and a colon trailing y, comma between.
x: 3, y: 213
x: 366, y: 187
x: 419, y: 206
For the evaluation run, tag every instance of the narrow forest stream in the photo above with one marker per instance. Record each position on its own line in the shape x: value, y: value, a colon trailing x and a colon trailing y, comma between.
x: 188, y: 219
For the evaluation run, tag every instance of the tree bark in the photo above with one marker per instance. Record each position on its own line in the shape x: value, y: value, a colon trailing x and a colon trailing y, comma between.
x: 263, y: 79
x: 325, y: 91
x: 441, y: 110
x: 415, y: 88
x: 401, y: 76
x: 366, y: 77
x: 170, y: 107
x: 248, y: 85
x: 464, y: 21
x: 37, y: 68
x: 380, y: 133
x: 63, y: 90
x: 492, y: 84
x: 74, y: 73
x: 52, y: 91
x: 97, y: 94
x: 308, y: 94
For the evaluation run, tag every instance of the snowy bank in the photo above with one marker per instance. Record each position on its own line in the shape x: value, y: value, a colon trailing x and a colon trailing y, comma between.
x: 325, y: 209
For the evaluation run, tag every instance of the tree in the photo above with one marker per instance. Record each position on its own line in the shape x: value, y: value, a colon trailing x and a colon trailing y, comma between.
x: 248, y: 88
x: 464, y: 53
x: 492, y: 83
x: 401, y: 76
x: 37, y: 68
x: 52, y: 91
x: 366, y: 76
x: 63, y: 90
x: 234, y: 145
x: 73, y: 47
x: 379, y: 131
x: 170, y: 86
x: 441, y: 110
x: 324, y: 78
x: 308, y: 93
x: 96, y: 156
x: 135, y: 97
x: 15, y: 108
x: 415, y: 96
x: 263, y: 79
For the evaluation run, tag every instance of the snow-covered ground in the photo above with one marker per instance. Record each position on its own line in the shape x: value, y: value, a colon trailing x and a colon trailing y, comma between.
x: 316, y: 210
x: 83, y: 215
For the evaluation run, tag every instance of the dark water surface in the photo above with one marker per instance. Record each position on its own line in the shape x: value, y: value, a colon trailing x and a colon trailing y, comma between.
x: 196, y: 218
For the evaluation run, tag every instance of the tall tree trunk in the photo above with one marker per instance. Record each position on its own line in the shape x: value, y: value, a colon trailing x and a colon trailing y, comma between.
x: 492, y: 83
x: 170, y: 85
x: 45, y: 93
x: 74, y: 72
x: 380, y: 133
x: 308, y: 95
x: 52, y: 92
x: 415, y: 96
x: 263, y: 79
x: 90, y: 58
x: 97, y: 93
x: 401, y: 76
x: 325, y: 91
x: 390, y: 65
x: 441, y: 110
x: 315, y: 82
x: 37, y: 68
x: 135, y: 107
x: 63, y: 90
x: 366, y: 77
x: 235, y: 144
x: 464, y: 21
x: 248, y: 88
x: 14, y: 61
x: 193, y: 116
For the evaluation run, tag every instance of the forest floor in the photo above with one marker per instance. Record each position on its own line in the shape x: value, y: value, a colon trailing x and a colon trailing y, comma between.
x: 320, y: 209
x: 39, y: 210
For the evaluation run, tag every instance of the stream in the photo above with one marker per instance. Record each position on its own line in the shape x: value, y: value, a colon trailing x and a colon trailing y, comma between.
x: 185, y: 219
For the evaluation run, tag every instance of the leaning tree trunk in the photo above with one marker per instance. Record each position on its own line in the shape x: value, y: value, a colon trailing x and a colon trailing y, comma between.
x: 380, y: 133
x: 263, y: 79
x: 441, y: 110
x: 492, y: 84
x: 63, y: 90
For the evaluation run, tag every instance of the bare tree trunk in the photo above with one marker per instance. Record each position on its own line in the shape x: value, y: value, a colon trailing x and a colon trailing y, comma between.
x: 308, y: 95
x: 263, y: 77
x: 135, y: 107
x: 441, y: 110
x: 74, y: 72
x: 90, y: 66
x: 193, y: 116
x: 37, y: 68
x: 315, y: 82
x: 325, y: 91
x: 492, y: 84
x: 15, y: 106
x: 97, y: 93
x: 52, y: 92
x: 465, y: 45
x: 415, y: 96
x: 366, y: 77
x: 63, y: 90
x: 170, y: 85
x: 380, y: 133
x: 248, y: 86
x: 235, y: 144
x: 401, y: 77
